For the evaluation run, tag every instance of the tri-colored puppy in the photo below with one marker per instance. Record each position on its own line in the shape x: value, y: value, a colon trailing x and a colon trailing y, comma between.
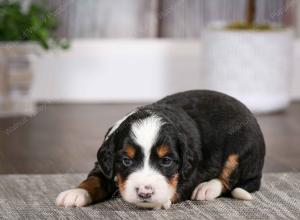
x: 195, y: 145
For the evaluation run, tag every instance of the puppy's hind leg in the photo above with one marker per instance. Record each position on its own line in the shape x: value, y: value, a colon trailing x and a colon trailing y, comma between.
x: 243, y: 189
x: 215, y: 187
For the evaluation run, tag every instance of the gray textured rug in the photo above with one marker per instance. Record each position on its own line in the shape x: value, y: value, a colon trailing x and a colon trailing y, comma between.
x: 32, y: 197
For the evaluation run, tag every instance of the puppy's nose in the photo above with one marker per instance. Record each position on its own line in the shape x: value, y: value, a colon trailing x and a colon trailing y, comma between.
x: 144, y: 192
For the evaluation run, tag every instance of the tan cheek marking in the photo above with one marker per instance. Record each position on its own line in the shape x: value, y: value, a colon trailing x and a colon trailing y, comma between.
x: 130, y: 151
x: 163, y: 150
x: 121, y: 183
x: 173, y: 182
x: 175, y: 198
x: 229, y: 167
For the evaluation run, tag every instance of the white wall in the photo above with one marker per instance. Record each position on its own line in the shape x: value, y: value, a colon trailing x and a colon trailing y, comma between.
x: 124, y: 70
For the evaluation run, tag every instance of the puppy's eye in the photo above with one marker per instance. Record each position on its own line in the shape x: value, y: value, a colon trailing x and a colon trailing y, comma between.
x: 166, y: 161
x: 127, y: 161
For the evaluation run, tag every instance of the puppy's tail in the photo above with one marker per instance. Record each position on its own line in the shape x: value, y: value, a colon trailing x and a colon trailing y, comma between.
x: 239, y: 193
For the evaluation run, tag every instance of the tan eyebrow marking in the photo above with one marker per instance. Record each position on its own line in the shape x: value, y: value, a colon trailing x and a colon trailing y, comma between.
x: 229, y: 166
x: 162, y: 150
x: 130, y: 151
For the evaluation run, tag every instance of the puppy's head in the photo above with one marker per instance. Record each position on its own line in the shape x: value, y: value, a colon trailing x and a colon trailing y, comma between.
x: 145, y: 156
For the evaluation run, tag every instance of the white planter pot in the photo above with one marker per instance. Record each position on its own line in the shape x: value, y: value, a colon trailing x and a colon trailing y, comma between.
x: 252, y: 66
x: 16, y: 78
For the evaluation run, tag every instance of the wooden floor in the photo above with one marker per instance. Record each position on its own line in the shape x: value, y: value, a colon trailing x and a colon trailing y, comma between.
x: 64, y: 138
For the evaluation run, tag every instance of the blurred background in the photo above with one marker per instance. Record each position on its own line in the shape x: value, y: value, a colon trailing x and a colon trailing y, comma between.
x: 70, y: 68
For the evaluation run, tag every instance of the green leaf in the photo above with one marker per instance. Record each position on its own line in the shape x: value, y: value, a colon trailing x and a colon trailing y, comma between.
x: 38, y: 24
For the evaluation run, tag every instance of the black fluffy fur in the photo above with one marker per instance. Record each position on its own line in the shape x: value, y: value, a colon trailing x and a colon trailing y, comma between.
x: 203, y: 128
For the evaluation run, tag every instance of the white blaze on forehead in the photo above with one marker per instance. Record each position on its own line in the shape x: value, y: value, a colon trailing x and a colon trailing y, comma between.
x: 145, y: 132
x: 118, y: 123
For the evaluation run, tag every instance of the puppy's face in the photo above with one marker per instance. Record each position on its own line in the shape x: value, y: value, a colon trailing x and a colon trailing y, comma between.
x: 147, y: 163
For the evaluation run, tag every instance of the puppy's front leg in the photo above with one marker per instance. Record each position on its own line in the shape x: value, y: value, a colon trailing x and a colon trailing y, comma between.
x: 94, y: 189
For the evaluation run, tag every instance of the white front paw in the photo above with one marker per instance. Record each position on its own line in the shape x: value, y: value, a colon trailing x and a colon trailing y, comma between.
x: 74, y: 198
x: 167, y: 205
x: 208, y: 190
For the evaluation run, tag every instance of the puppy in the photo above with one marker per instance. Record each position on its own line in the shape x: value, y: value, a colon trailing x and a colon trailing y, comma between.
x: 195, y: 145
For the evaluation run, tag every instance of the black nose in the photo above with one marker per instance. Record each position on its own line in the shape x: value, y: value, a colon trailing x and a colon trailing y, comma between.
x: 144, y: 192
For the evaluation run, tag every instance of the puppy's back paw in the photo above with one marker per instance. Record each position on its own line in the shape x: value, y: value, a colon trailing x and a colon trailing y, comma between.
x: 239, y: 193
x: 74, y: 198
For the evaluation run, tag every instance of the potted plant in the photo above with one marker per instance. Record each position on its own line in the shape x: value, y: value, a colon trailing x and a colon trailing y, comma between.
x: 23, y: 32
x: 249, y: 61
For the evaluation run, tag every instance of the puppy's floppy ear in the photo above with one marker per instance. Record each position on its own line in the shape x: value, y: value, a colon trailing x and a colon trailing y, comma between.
x: 188, y: 156
x: 106, y: 157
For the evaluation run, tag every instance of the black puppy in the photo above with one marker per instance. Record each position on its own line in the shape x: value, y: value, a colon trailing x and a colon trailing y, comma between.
x: 193, y: 145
